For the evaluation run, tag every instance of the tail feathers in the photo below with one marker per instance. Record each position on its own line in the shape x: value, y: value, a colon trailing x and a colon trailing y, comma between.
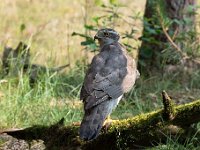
x: 92, y: 122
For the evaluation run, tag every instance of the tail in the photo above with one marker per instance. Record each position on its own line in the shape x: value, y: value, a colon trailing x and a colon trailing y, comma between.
x: 92, y: 123
x: 56, y: 69
x: 93, y: 120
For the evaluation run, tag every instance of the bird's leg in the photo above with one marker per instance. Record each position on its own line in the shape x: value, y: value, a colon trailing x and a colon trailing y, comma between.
x: 76, y: 123
x: 107, y: 123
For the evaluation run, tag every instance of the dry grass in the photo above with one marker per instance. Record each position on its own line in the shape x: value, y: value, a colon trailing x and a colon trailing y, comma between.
x: 49, y: 25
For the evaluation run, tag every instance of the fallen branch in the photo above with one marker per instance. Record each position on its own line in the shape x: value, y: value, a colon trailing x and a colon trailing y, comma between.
x: 151, y: 128
x: 141, y: 131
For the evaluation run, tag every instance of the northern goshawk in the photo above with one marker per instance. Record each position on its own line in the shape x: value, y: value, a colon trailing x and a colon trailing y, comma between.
x: 111, y: 74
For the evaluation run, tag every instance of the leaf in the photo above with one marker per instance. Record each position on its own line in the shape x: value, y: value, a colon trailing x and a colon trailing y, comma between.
x: 177, y: 21
x: 81, y: 35
x: 147, y: 53
x: 188, y: 20
x: 96, y: 19
x: 128, y: 45
x: 22, y: 27
x: 113, y: 2
x: 98, y: 2
x: 93, y: 46
x: 103, y: 6
x: 88, y: 42
x: 90, y: 27
x: 150, y: 30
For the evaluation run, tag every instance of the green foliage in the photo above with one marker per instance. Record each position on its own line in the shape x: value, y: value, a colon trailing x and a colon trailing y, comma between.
x: 111, y: 18
x: 22, y: 27
x: 89, y: 41
x: 114, y: 2
x: 166, y: 37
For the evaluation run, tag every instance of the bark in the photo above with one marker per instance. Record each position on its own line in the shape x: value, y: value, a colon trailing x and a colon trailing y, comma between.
x: 154, y: 39
x: 141, y: 131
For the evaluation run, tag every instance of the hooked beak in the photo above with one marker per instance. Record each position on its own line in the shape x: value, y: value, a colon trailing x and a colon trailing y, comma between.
x: 97, y: 37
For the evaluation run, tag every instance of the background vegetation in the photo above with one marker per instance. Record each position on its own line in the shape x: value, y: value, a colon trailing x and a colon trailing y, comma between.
x: 61, y: 32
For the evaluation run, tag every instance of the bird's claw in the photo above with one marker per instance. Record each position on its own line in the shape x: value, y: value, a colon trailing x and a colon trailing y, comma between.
x: 107, y: 124
x: 76, y: 123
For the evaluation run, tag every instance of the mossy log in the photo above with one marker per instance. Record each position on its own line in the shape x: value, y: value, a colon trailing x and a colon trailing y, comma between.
x: 149, y: 128
x: 141, y: 131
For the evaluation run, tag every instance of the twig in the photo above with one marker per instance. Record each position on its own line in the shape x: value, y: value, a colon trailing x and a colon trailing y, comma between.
x: 40, y: 28
x: 68, y: 52
x: 177, y: 48
x: 175, y: 33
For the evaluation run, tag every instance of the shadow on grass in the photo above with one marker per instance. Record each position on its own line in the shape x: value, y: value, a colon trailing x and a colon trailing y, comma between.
x: 56, y: 136
x: 62, y: 137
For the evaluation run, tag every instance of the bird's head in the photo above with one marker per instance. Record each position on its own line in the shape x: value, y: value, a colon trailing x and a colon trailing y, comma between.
x: 106, y: 36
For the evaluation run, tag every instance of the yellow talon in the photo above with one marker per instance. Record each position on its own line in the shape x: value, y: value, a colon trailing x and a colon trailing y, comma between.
x: 107, y: 123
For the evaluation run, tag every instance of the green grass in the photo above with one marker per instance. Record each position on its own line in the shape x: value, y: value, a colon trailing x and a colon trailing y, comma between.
x: 57, y: 95
x: 172, y: 144
x: 51, y: 99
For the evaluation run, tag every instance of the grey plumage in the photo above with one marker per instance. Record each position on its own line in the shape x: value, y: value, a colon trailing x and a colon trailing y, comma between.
x: 111, y: 74
x: 95, y: 117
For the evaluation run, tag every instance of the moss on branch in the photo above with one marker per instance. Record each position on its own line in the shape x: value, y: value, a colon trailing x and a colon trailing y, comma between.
x: 150, y: 128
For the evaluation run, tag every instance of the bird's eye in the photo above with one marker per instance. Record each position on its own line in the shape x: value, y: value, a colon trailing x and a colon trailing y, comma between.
x: 106, y: 34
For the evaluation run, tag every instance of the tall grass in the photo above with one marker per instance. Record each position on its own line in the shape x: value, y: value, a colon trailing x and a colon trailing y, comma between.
x: 54, y: 96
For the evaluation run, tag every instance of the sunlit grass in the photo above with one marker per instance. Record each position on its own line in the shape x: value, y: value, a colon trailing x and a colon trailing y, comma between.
x: 50, y: 100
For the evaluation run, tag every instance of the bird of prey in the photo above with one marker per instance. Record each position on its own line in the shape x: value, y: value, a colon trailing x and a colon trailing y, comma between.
x: 111, y: 74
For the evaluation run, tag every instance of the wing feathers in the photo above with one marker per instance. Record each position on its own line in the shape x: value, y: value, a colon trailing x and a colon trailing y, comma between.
x: 114, y: 91
x: 105, y: 77
x: 92, y: 101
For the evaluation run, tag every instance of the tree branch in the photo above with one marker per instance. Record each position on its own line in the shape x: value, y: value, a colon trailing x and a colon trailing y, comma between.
x: 184, y: 55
